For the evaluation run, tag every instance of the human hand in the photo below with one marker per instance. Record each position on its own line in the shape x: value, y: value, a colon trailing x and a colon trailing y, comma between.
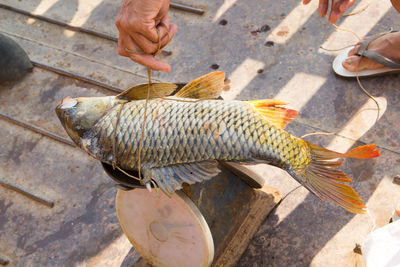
x: 337, y: 10
x: 138, y: 23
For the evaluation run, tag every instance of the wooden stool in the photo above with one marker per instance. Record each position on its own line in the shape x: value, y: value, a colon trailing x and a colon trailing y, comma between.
x: 201, y: 225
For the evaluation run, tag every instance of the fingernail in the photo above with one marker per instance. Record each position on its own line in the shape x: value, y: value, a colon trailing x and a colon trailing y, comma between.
x: 164, y: 69
x: 333, y: 17
x: 322, y: 10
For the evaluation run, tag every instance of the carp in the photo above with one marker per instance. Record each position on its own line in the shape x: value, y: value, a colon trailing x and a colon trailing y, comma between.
x: 185, y: 135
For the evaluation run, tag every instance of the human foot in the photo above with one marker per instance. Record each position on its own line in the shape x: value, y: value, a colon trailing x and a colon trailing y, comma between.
x: 388, y: 45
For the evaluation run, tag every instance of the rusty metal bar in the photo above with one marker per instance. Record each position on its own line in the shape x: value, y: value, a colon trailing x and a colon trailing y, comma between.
x: 37, y: 130
x: 77, y: 76
x: 69, y: 26
x: 190, y: 9
x: 60, y: 23
x: 45, y: 133
x: 27, y: 194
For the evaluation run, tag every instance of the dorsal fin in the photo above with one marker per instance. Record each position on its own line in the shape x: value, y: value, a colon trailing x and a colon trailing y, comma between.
x: 269, y: 110
x: 208, y: 86
x: 140, y: 91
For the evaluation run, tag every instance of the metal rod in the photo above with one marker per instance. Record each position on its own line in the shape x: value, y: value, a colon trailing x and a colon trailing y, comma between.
x: 69, y: 26
x: 77, y: 76
x: 67, y: 73
x: 27, y: 194
x: 187, y: 8
x: 60, y: 23
x: 37, y: 130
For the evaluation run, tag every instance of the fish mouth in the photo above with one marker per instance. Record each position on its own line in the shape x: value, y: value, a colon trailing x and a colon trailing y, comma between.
x: 64, y: 105
x: 64, y: 109
x: 66, y: 113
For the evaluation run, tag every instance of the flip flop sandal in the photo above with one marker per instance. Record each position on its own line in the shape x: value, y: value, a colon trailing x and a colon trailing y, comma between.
x: 390, y: 65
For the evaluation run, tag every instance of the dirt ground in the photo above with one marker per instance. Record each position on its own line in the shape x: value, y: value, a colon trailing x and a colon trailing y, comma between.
x: 268, y: 49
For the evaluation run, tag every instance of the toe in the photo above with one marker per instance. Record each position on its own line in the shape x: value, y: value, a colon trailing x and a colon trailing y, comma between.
x: 351, y: 63
x: 355, y: 63
x: 354, y: 50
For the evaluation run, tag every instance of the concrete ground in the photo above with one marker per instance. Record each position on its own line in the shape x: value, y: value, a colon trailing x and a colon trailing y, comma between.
x: 269, y: 49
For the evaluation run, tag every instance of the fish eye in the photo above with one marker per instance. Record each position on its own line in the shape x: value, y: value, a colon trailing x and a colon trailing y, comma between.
x: 70, y: 103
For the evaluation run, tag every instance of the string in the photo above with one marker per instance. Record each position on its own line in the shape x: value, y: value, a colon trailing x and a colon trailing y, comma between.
x: 365, y: 91
x: 149, y: 87
x: 147, y: 99
x: 376, y: 36
x: 114, y: 164
x: 358, y: 11
x: 346, y: 30
x: 127, y: 174
x: 339, y: 49
x: 114, y: 137
x: 144, y: 120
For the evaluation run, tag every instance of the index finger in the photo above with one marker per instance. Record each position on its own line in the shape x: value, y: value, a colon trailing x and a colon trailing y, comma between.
x: 151, y: 62
x: 323, y: 7
x: 338, y: 9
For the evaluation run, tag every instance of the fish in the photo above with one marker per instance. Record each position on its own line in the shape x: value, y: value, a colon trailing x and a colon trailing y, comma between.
x: 185, y: 135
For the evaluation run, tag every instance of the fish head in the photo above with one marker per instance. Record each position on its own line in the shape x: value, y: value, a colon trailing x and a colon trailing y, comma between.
x: 78, y: 115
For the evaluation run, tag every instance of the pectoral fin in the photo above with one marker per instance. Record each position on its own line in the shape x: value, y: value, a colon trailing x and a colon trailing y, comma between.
x: 171, y: 178
x: 140, y: 91
x: 208, y: 86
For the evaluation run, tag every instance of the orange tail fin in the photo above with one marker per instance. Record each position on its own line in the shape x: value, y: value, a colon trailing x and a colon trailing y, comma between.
x: 326, y: 182
x: 360, y: 152
x: 363, y: 152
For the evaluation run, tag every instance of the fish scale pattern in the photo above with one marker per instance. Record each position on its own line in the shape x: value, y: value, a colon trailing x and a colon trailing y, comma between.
x: 186, y: 131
